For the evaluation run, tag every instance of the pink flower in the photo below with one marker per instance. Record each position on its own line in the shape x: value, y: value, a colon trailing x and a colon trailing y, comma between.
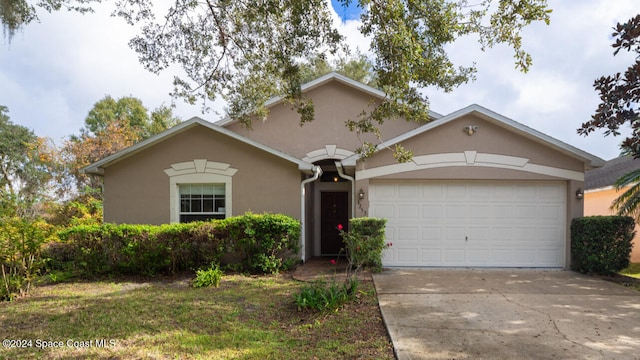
x: 340, y: 227
x: 333, y: 262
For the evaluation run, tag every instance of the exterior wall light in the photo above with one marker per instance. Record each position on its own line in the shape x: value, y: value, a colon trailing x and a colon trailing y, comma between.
x: 361, y: 194
x: 470, y: 129
x: 579, y: 194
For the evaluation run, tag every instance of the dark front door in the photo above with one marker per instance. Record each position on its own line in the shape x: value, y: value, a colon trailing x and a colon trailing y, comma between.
x: 334, y: 207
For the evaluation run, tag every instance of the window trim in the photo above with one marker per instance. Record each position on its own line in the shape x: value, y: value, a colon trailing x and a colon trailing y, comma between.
x: 214, y: 213
x: 199, y: 171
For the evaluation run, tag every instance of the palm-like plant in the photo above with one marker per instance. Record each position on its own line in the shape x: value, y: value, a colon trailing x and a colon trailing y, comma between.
x: 629, y: 201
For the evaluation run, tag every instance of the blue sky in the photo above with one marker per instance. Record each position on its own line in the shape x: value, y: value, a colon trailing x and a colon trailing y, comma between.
x: 53, y: 72
x: 351, y: 12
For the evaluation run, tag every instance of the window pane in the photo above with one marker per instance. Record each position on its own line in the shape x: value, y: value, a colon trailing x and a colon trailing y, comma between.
x: 207, y: 204
x: 220, y: 206
x: 196, y: 203
x: 200, y: 202
x: 208, y: 189
x: 185, y: 203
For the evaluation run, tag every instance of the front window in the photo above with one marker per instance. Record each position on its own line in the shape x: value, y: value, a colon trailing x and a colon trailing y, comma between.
x: 201, y: 202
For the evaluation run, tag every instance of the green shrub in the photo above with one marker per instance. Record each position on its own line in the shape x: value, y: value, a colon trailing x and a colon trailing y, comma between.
x: 364, y: 243
x: 264, y: 243
x: 256, y: 243
x: 21, y: 243
x: 208, y: 277
x: 601, y: 244
x: 320, y: 296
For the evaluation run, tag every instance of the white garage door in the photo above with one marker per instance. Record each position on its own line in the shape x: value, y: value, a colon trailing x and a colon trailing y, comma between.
x: 492, y: 224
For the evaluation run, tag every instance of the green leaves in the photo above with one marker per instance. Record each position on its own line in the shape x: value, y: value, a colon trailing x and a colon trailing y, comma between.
x: 619, y: 95
x: 601, y: 244
x: 247, y: 52
x: 25, y: 168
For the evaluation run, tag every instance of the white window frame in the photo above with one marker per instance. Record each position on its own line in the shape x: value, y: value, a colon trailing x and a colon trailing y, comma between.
x: 215, y: 197
x: 199, y: 171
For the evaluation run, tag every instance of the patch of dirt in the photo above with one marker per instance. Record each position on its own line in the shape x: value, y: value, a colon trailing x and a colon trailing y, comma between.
x: 623, y: 280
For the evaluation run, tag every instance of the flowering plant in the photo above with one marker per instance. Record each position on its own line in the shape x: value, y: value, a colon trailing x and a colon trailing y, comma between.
x: 364, y: 244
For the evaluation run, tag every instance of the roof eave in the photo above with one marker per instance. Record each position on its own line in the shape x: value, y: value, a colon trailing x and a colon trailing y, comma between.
x: 98, y: 166
x: 590, y: 160
x: 376, y: 93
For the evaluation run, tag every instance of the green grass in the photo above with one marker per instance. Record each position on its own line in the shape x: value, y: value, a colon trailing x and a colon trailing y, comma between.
x: 245, y: 318
x: 633, y: 270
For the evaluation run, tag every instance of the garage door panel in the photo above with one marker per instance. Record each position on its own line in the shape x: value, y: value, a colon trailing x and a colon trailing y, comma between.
x: 433, y: 192
x: 472, y: 223
x: 502, y: 256
x: 383, y: 211
x: 383, y: 191
x: 455, y: 212
x: 408, y: 234
x: 408, y: 255
x: 408, y: 212
x: 431, y: 256
x: 478, y: 212
x: 431, y: 234
x: 409, y: 191
x: 550, y: 213
x: 432, y: 213
x: 454, y: 256
x: 455, y: 236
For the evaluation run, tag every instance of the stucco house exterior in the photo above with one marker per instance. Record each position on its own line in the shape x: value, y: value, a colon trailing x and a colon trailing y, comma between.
x: 482, y: 189
x: 600, y: 191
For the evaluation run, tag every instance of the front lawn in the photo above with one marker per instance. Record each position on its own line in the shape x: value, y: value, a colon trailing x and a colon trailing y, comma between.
x: 633, y: 270
x: 245, y: 318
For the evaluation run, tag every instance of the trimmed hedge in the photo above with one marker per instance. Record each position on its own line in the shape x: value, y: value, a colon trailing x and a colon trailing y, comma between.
x: 263, y: 243
x: 365, y: 242
x: 601, y: 244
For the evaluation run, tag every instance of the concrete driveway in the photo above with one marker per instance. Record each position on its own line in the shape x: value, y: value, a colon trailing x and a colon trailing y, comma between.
x: 507, y: 314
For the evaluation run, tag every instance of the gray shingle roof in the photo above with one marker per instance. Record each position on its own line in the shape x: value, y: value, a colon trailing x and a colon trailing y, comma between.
x: 610, y: 172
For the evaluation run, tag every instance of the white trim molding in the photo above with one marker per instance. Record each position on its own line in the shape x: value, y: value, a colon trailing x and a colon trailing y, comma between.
x: 469, y: 159
x: 198, y: 171
x: 329, y: 152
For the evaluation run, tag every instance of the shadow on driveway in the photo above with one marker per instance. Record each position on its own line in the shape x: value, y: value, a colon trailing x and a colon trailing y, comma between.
x: 507, y: 314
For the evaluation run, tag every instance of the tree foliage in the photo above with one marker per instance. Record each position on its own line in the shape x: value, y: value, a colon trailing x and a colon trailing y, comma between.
x: 357, y: 67
x: 26, y: 165
x: 620, y: 106
x: 620, y: 93
x: 627, y: 203
x: 131, y: 111
x: 110, y: 126
x: 245, y: 51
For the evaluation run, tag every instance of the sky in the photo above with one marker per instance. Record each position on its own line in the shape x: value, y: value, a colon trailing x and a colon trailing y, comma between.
x: 54, y: 71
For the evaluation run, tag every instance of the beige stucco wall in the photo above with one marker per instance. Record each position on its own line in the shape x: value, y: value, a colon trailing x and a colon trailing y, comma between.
x: 489, y: 138
x: 334, y: 104
x: 599, y: 202
x: 137, y: 188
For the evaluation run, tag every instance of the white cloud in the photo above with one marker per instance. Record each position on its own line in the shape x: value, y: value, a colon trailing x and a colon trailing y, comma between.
x: 53, y: 72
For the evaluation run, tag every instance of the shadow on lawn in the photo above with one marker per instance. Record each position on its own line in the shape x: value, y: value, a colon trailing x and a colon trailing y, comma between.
x: 246, y: 317
x: 166, y: 319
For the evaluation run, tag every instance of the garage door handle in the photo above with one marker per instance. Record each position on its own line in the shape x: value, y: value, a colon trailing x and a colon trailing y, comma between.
x: 466, y: 238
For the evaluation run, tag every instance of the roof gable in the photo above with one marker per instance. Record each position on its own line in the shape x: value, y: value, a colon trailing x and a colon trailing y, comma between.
x: 323, y: 80
x: 499, y: 120
x: 98, y: 166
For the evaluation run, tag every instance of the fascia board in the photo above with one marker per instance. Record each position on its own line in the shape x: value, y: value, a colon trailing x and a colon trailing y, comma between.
x: 98, y: 167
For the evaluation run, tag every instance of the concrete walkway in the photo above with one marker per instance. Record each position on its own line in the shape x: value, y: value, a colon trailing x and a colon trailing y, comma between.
x: 507, y: 314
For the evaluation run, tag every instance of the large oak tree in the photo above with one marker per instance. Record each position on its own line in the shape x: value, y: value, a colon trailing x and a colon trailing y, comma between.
x: 246, y: 51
